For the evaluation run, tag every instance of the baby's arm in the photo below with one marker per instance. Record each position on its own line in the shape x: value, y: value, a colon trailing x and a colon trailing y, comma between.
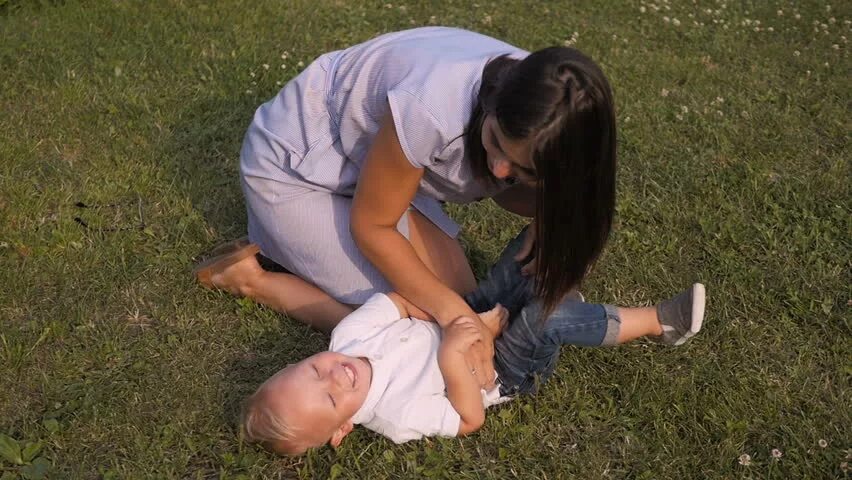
x: 462, y: 387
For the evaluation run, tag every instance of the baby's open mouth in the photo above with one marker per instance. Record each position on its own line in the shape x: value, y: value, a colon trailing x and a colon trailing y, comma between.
x: 350, y: 372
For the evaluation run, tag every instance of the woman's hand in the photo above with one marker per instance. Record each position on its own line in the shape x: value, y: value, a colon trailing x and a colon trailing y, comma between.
x: 460, y: 335
x: 529, y: 242
x: 495, y: 319
x: 480, y: 356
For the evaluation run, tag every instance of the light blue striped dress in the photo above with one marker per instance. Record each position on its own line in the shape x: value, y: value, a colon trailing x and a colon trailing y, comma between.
x: 304, y: 149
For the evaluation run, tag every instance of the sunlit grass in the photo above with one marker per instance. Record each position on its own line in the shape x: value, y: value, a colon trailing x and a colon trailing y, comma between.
x: 734, y: 170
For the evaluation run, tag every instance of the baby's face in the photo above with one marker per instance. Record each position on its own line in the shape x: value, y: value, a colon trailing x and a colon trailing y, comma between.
x: 320, y: 393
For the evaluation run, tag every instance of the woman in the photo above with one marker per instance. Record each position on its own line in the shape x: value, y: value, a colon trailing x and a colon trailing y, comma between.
x: 344, y: 171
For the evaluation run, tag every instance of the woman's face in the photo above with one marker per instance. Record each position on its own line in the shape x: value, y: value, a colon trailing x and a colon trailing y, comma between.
x: 509, y: 160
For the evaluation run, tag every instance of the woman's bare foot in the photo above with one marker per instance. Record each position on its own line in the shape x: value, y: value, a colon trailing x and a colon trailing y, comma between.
x: 232, y: 270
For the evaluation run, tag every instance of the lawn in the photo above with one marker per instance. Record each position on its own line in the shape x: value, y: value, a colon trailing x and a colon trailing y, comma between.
x: 120, y: 129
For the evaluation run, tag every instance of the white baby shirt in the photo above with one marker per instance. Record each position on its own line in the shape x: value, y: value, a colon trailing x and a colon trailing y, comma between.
x: 407, y: 398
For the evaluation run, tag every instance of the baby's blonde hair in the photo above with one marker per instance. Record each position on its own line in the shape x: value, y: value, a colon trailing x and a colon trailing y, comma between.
x: 260, y: 424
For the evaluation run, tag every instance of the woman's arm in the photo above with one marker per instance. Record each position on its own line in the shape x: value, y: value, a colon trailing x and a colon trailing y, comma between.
x: 386, y: 186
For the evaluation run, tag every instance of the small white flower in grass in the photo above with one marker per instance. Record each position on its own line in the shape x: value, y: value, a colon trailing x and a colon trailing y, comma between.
x: 664, y: 93
x: 675, y: 22
x: 796, y: 53
x: 433, y: 19
x: 667, y: 19
x: 266, y: 66
x: 780, y: 13
x: 641, y: 9
x: 777, y: 453
x: 248, y: 92
x: 825, y: 65
x: 279, y: 83
x: 487, y: 20
x: 285, y: 55
x: 251, y: 74
x: 300, y: 64
x: 684, y: 109
x: 844, y: 467
x: 822, y: 443
x: 283, y: 66
x: 770, y: 29
x: 836, y: 46
x: 798, y: 16
x: 832, y: 20
x: 679, y: 116
x: 745, y: 459
x: 823, y: 26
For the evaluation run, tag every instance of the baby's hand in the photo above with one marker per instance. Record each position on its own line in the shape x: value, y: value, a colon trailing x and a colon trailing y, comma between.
x: 460, y: 335
x: 495, y: 319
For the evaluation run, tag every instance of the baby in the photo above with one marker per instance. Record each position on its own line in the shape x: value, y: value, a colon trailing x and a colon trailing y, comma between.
x: 400, y: 377
x: 393, y: 374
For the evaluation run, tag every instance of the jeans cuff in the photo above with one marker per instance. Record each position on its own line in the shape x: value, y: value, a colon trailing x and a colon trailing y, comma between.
x: 613, y: 325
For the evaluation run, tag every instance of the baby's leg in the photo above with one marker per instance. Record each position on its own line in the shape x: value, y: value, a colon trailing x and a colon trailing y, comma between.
x: 504, y: 283
x: 529, y: 347
x: 671, y: 322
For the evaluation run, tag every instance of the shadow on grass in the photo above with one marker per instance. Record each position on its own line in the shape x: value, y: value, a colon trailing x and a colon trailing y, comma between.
x: 263, y: 357
x: 202, y: 159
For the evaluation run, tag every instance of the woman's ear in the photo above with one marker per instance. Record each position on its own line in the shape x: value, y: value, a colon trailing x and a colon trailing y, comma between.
x: 340, y: 433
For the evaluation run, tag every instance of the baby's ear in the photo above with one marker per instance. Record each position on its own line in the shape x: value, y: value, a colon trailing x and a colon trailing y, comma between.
x: 340, y: 433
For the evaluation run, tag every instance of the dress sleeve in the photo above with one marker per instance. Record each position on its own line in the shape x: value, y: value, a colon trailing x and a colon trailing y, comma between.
x: 427, y: 416
x: 420, y: 133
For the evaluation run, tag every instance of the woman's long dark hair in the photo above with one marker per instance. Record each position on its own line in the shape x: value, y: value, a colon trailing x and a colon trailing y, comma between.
x: 561, y: 101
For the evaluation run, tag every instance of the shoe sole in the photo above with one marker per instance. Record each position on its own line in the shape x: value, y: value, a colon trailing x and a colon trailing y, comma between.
x: 205, y: 270
x: 699, y: 299
x: 228, y: 247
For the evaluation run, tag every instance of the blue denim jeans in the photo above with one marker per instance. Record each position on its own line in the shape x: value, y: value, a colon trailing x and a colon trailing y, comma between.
x: 527, y: 352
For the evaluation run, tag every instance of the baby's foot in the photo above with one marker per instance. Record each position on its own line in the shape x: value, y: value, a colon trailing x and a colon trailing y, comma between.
x: 681, y: 316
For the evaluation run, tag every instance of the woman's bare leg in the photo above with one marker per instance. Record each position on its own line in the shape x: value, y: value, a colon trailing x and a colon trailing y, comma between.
x: 289, y: 294
x: 283, y: 292
x: 442, y: 254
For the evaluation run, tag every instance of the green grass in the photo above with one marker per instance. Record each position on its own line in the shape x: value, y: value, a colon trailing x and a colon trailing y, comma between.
x: 114, y: 364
